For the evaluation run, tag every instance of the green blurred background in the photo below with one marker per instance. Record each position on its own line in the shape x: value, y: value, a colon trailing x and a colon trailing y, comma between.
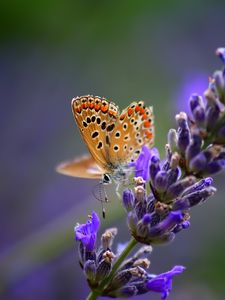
x: 51, y: 51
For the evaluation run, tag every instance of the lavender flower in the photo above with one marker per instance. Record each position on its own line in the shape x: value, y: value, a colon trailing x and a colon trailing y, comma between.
x: 200, y: 138
x: 87, y: 233
x: 141, y: 165
x: 131, y: 278
x: 162, y: 283
x: 159, y: 202
x: 221, y: 53
x: 156, y: 217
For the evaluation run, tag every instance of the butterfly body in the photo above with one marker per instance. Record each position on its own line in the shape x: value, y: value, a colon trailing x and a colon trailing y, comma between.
x: 114, y: 139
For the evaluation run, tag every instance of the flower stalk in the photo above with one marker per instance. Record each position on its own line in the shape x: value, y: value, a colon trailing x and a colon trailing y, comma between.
x: 195, y: 151
x: 96, y: 292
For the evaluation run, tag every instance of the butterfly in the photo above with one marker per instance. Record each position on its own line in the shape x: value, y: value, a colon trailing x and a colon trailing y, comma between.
x: 113, y: 139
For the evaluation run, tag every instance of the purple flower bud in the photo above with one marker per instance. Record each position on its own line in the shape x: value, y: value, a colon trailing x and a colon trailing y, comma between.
x: 143, y: 226
x: 142, y: 163
x: 167, y: 224
x: 198, y: 163
x: 199, y: 116
x: 128, y: 199
x: 194, y: 148
x: 164, y: 239
x: 181, y: 119
x: 178, y: 187
x: 132, y: 221
x: 161, y: 181
x: 220, y: 85
x: 87, y: 233
x: 90, y: 270
x: 221, y: 53
x: 125, y: 292
x: 200, y: 185
x: 179, y: 227
x: 173, y: 176
x: 121, y: 279
x: 103, y: 269
x: 216, y: 166
x: 172, y: 139
x: 193, y: 198
x: 154, y: 167
x: 146, y: 219
x: 141, y: 287
x: 186, y: 224
x: 183, y: 132
x: 183, y: 139
x: 195, y: 101
x: 212, y: 116
x: 140, y: 209
x: 162, y: 283
x: 150, y: 204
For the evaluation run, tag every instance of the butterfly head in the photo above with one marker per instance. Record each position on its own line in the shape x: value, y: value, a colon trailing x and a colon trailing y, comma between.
x: 106, y: 178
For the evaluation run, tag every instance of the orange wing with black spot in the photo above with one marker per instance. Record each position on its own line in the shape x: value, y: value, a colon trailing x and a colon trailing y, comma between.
x: 134, y: 128
x: 96, y: 117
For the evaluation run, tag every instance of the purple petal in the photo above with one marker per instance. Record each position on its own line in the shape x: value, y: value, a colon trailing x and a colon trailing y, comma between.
x: 142, y: 163
x: 162, y: 283
x: 221, y: 53
x: 95, y: 222
x: 87, y: 233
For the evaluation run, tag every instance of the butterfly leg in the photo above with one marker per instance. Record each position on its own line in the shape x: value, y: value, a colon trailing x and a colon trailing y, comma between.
x: 99, y: 192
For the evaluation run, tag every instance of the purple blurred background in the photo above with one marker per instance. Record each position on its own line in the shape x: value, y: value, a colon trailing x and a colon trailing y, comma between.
x: 53, y: 51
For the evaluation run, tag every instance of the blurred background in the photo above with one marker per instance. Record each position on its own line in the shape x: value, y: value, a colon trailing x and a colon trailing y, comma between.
x: 51, y: 51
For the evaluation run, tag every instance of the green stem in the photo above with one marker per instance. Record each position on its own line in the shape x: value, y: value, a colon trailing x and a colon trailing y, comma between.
x: 92, y: 296
x: 132, y: 243
x: 95, y: 293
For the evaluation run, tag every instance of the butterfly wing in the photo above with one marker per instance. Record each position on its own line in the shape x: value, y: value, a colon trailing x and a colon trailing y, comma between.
x: 134, y: 128
x: 96, y: 118
x: 84, y: 167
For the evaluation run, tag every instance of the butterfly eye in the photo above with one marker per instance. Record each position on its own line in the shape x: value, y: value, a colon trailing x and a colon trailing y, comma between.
x: 106, y: 179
